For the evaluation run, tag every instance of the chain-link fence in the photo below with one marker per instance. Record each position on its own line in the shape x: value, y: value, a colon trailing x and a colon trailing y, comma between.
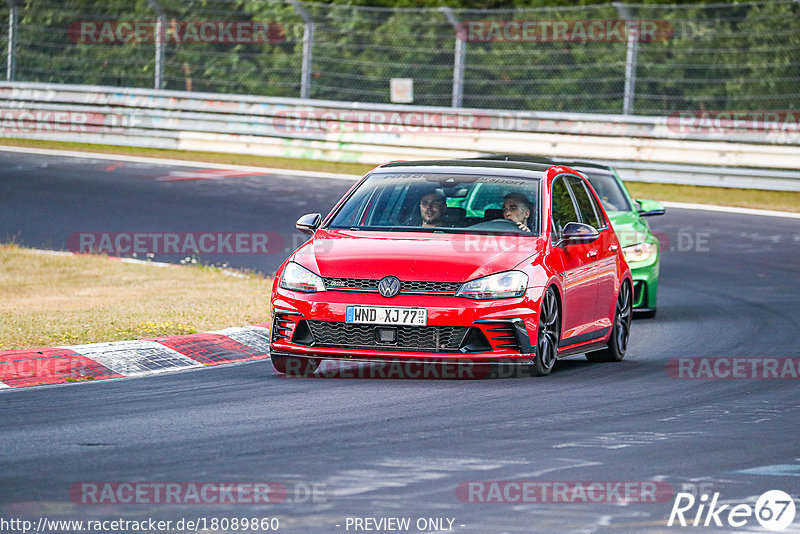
x: 614, y: 58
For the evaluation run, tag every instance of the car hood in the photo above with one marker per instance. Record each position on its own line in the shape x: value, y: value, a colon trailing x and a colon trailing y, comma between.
x: 419, y: 256
x: 630, y: 228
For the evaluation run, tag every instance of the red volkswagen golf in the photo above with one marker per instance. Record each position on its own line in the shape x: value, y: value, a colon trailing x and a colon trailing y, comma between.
x: 461, y: 261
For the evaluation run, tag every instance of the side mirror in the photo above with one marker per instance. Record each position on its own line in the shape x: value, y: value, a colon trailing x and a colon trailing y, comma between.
x: 576, y: 232
x: 648, y: 208
x: 308, y: 223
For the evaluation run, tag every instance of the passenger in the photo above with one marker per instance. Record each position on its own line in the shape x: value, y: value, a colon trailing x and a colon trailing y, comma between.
x: 517, y: 209
x: 432, y: 208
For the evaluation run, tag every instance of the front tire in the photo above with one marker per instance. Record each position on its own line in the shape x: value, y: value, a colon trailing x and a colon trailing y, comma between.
x: 548, y: 336
x: 294, y: 365
x: 621, y: 332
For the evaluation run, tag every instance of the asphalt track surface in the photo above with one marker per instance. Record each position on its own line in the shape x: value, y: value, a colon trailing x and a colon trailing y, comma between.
x: 400, y: 448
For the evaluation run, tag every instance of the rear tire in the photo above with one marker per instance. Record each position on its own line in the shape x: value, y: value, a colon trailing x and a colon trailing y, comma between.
x: 621, y: 331
x: 294, y: 365
x: 548, y: 336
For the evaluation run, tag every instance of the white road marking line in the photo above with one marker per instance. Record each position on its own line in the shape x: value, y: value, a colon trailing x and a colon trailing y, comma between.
x: 777, y: 470
x: 123, y: 260
x: 145, y: 262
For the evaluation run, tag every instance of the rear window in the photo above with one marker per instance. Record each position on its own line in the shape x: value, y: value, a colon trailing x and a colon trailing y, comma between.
x: 608, y: 189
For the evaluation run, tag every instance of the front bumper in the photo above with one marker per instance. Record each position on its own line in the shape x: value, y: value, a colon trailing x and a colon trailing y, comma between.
x: 458, y: 330
x: 645, y: 284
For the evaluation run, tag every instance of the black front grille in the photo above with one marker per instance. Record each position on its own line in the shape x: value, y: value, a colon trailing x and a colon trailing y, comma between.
x: 351, y: 283
x: 409, y: 338
x: 429, y: 287
x: 406, y: 286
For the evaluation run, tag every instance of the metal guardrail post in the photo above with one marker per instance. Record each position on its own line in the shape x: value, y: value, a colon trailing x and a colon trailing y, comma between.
x: 161, y: 23
x: 459, y: 60
x: 630, y: 61
x: 11, y: 64
x: 308, y: 44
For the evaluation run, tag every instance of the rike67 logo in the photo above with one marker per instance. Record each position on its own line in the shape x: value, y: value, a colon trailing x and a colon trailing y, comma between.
x: 774, y: 510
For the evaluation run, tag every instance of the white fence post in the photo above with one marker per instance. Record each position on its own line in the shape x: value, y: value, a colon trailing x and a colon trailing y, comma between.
x: 308, y: 44
x: 11, y: 63
x: 459, y: 60
x: 630, y: 61
x: 161, y: 21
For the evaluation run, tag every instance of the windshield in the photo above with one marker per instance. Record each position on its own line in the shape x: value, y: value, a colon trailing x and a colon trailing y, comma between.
x: 443, y: 202
x: 609, y: 191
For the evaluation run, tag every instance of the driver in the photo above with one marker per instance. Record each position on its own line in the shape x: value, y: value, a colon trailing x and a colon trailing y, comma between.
x: 517, y: 209
x: 432, y: 207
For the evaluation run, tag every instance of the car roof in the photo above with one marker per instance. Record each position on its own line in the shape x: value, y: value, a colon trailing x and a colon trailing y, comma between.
x: 471, y: 163
x: 574, y: 163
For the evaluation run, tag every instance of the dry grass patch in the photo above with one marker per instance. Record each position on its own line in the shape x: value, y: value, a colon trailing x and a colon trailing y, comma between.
x: 52, y: 300
x: 718, y: 196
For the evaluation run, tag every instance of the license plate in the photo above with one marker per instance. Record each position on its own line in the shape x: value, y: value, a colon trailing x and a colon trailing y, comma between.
x: 386, y: 315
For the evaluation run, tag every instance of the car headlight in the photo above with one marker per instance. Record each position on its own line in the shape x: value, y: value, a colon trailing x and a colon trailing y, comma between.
x: 496, y: 286
x: 640, y: 252
x: 295, y: 277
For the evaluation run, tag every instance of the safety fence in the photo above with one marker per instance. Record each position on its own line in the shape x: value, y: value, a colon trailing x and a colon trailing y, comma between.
x: 725, y: 151
x: 618, y: 58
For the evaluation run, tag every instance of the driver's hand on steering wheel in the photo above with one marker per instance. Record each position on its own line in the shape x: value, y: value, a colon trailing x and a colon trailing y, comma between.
x: 522, y: 226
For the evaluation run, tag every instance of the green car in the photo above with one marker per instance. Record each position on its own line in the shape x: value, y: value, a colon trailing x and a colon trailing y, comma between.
x: 627, y: 215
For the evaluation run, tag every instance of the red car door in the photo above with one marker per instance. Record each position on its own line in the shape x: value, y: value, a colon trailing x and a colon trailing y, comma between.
x: 604, y: 252
x: 577, y: 265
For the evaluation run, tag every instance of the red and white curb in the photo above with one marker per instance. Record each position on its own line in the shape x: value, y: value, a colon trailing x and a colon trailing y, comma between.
x: 117, y: 359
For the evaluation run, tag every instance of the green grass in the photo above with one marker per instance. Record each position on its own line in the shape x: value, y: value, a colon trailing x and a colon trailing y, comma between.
x: 721, y: 196
x: 66, y: 300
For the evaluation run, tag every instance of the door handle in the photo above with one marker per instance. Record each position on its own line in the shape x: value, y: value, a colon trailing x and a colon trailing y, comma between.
x: 613, y: 248
x: 592, y: 254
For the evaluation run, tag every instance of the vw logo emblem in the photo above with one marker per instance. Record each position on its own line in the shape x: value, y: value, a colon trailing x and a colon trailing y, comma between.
x: 389, y: 286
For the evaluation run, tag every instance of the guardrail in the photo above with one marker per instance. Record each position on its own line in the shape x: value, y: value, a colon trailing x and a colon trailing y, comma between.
x: 651, y: 149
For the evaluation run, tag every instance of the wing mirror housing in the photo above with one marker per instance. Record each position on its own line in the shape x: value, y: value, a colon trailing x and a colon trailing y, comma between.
x: 648, y: 208
x: 308, y: 223
x: 576, y: 232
